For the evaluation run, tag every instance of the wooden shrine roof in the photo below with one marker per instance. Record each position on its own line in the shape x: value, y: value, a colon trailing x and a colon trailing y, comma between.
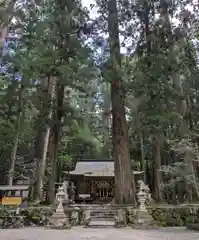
x: 96, y: 168
x: 88, y: 167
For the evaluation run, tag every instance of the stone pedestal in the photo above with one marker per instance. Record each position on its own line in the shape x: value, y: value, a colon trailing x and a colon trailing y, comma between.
x: 131, y: 215
x: 144, y: 220
x: 59, y: 220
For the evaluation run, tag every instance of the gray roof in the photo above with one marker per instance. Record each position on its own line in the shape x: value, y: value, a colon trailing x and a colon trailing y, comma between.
x: 13, y: 188
x: 95, y: 168
x: 90, y: 167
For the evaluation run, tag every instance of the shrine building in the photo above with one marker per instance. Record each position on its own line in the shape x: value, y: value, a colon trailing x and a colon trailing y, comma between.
x: 94, y: 180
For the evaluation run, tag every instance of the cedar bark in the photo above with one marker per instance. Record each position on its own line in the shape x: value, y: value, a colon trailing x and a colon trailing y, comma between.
x: 181, y: 106
x: 16, y: 139
x: 106, y: 120
x: 181, y: 103
x: 43, y: 140
x: 156, y: 168
x: 54, y: 143
x: 143, y: 167
x: 124, y: 184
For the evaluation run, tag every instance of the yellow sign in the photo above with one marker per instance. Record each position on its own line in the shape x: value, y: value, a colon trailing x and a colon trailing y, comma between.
x: 11, y: 201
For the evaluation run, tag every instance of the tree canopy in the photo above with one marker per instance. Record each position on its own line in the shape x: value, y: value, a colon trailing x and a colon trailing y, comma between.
x: 121, y: 84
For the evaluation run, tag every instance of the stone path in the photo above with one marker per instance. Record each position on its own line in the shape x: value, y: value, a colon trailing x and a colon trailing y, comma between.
x: 79, y: 233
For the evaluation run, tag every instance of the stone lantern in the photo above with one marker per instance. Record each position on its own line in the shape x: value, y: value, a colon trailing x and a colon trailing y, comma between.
x: 59, y: 220
x: 144, y: 219
x: 142, y: 197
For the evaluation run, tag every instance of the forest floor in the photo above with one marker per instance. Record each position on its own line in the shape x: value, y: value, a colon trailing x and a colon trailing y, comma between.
x: 79, y: 233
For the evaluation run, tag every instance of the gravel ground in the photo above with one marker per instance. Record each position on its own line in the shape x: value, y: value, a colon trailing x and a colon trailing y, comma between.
x: 80, y: 233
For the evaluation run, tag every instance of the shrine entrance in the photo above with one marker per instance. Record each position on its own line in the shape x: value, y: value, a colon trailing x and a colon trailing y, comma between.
x: 102, y: 190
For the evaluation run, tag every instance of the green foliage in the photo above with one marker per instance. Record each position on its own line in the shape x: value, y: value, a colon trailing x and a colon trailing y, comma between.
x: 31, y: 216
x: 166, y: 216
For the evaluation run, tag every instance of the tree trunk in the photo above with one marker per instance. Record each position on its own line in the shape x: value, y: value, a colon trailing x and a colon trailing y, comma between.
x: 44, y: 140
x: 181, y: 106
x: 143, y: 168
x: 146, y: 27
x: 156, y: 168
x: 124, y: 184
x: 54, y: 145
x: 16, y: 140
x: 190, y: 171
x: 40, y: 125
x: 106, y: 121
x: 3, y: 35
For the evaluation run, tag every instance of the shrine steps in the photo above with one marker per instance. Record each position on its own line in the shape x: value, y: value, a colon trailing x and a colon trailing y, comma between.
x: 101, y: 224
x: 102, y: 217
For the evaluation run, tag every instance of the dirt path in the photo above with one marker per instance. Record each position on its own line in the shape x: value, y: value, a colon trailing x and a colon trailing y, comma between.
x: 79, y: 233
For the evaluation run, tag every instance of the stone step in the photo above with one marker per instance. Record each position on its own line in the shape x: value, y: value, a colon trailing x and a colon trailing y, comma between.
x: 101, y: 219
x: 103, y: 210
x: 102, y: 214
x: 102, y: 223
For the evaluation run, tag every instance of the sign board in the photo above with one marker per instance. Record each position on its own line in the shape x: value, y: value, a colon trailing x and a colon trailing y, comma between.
x: 11, y: 201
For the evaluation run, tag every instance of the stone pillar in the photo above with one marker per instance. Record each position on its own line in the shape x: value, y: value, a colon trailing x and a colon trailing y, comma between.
x: 120, y: 218
x: 75, y: 216
x: 86, y: 217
